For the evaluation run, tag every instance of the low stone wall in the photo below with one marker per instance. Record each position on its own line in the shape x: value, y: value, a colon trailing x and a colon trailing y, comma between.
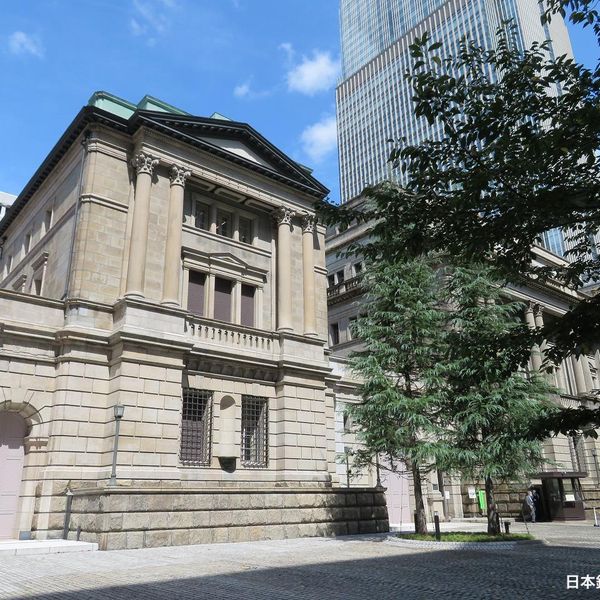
x: 591, y: 495
x: 508, y: 496
x: 128, y: 518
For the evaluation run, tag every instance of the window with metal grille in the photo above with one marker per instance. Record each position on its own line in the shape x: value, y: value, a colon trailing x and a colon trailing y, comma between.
x: 196, y: 427
x: 255, y: 431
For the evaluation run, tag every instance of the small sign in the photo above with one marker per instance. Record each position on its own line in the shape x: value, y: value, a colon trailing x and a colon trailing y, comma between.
x: 471, y: 491
x: 447, y: 494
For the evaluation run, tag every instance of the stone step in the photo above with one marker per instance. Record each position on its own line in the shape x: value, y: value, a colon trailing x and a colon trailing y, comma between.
x: 22, y: 547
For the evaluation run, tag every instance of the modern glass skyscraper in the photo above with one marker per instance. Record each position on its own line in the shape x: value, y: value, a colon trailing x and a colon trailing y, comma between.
x: 374, y: 101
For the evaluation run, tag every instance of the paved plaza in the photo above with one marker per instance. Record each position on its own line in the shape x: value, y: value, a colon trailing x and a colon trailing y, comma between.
x: 357, y: 567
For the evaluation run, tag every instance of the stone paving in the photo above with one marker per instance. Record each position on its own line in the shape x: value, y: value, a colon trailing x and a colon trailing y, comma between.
x: 348, y: 568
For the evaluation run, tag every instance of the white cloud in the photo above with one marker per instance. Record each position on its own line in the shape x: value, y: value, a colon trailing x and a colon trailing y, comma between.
x: 245, y: 90
x: 289, y: 51
x: 314, y: 75
x: 241, y: 90
x: 22, y: 43
x: 320, y: 139
x: 151, y: 18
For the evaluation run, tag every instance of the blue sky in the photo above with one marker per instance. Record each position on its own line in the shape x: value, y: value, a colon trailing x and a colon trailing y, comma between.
x: 271, y: 63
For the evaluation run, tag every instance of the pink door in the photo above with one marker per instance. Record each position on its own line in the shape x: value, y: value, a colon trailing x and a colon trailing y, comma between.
x: 397, y: 496
x: 12, y: 432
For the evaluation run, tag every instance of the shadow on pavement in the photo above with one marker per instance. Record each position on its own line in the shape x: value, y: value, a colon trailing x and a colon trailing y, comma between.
x: 395, y: 573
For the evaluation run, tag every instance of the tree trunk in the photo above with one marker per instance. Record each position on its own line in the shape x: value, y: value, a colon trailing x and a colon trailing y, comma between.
x: 420, y: 518
x: 493, y: 527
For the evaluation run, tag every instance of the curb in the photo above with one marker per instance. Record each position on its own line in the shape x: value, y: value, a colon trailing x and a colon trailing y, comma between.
x: 433, y: 545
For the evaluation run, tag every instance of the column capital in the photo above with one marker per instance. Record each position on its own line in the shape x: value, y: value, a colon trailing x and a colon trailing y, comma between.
x: 283, y: 216
x: 144, y: 163
x: 538, y: 310
x: 309, y: 222
x: 530, y: 307
x: 178, y: 175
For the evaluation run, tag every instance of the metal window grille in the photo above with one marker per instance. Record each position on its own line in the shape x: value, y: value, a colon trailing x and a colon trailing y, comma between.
x: 196, y: 427
x: 255, y: 431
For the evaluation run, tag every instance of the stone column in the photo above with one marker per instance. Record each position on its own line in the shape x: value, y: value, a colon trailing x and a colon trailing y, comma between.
x: 172, y: 267
x: 579, y: 376
x: 144, y: 165
x: 536, y: 360
x: 283, y: 218
x: 212, y: 212
x: 308, y: 274
x: 587, y: 373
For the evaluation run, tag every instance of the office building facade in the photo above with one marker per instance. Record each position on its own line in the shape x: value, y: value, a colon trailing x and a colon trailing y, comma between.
x: 374, y: 100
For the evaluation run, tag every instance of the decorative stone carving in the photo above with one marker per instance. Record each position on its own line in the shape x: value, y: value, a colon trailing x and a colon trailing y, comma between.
x: 283, y: 216
x: 144, y: 163
x: 309, y: 223
x: 178, y: 175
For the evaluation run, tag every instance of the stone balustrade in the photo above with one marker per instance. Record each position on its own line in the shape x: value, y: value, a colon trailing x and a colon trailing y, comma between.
x: 207, y: 331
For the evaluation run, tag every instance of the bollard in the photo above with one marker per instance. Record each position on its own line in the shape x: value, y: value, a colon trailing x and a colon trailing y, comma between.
x: 506, y: 527
x: 438, y: 534
x: 596, y: 524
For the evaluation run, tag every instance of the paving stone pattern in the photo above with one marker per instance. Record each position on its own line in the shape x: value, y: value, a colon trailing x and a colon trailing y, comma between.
x: 347, y: 568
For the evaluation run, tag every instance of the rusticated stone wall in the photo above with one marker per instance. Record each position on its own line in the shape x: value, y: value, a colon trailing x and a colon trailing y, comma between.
x: 118, y: 519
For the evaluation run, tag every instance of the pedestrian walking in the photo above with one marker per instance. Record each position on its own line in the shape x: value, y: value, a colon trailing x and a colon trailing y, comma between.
x: 529, y: 506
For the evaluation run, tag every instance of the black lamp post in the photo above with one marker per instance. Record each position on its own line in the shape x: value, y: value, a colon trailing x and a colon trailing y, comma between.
x: 119, y: 410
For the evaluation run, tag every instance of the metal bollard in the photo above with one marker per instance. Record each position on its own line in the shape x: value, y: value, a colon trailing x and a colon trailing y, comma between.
x: 438, y: 533
x: 507, y: 527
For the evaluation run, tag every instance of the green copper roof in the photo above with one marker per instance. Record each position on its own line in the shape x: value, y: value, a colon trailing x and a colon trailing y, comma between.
x: 125, y: 109
x: 219, y: 116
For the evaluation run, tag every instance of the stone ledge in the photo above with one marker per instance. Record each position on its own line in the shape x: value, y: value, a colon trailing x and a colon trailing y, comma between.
x: 28, y: 547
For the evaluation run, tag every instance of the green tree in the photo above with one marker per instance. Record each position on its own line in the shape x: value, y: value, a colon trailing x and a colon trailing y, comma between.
x: 517, y: 157
x: 490, y: 404
x: 402, y: 332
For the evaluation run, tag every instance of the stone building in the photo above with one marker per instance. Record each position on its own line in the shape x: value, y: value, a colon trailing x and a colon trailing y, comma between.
x: 569, y: 482
x: 163, y: 340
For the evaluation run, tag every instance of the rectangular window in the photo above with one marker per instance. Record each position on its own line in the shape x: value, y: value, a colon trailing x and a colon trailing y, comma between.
x: 255, y: 431
x: 222, y: 299
x: 224, y: 223
x: 358, y: 267
x: 27, y: 244
x: 334, y: 334
x: 37, y: 286
x: 196, y: 293
x: 201, y: 215
x: 352, y: 328
x: 47, y: 221
x: 245, y: 230
x: 330, y: 280
x: 196, y: 427
x: 340, y: 276
x: 248, y: 293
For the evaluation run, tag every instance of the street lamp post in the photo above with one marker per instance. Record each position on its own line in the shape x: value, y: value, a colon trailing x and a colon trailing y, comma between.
x: 119, y: 410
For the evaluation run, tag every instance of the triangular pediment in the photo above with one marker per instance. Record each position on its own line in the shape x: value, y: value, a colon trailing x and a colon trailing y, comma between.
x: 226, y: 257
x: 237, y: 142
x: 238, y: 148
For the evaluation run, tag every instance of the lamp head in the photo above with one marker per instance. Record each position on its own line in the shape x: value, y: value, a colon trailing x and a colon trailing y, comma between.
x: 119, y: 410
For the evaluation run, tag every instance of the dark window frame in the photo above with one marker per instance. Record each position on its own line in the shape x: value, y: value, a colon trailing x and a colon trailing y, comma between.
x: 254, y: 447
x: 195, y: 444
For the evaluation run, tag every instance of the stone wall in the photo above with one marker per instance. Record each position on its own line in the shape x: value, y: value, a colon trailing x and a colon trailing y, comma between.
x: 138, y: 518
x: 509, y: 499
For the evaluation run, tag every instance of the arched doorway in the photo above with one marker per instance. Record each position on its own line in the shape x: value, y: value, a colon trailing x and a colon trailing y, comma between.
x: 12, y: 432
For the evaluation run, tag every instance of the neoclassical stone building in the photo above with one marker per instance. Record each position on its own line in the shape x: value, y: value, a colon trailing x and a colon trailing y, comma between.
x: 163, y: 340
x: 570, y: 481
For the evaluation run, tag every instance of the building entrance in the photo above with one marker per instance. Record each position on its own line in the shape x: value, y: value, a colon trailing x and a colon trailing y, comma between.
x: 12, y: 432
